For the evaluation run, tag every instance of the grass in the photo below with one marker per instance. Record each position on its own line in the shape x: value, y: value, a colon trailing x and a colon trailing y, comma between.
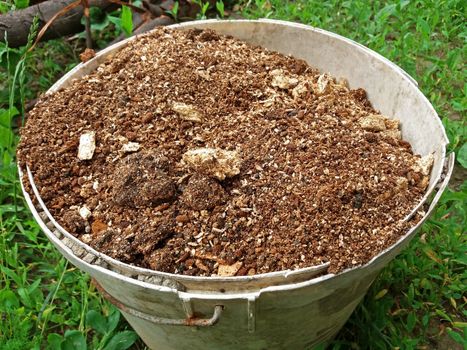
x: 418, y: 301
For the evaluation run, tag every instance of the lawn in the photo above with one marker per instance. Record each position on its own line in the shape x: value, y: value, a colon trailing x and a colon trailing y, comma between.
x: 418, y: 301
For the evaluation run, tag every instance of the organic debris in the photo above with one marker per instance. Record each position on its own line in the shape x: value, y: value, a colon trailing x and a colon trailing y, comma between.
x: 217, y: 163
x: 218, y: 157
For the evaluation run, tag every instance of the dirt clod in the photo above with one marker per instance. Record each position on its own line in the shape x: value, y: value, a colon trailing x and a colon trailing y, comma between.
x: 73, y: 222
x: 140, y: 182
x: 202, y: 193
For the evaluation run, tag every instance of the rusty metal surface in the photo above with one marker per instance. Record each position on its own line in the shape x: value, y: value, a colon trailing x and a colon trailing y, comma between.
x: 192, y: 321
x: 286, y: 310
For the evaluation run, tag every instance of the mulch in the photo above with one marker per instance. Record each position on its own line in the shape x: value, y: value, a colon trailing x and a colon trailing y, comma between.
x: 214, y: 156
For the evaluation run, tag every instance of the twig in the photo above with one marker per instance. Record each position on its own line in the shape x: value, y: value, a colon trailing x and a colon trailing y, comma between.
x: 87, y: 23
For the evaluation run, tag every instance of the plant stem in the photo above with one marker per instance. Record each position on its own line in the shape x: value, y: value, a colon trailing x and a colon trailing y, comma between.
x: 87, y: 24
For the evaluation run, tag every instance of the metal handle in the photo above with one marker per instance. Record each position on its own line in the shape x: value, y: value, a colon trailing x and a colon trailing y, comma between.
x: 191, y: 321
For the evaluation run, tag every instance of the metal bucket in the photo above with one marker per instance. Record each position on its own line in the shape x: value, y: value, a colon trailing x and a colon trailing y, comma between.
x: 281, y: 310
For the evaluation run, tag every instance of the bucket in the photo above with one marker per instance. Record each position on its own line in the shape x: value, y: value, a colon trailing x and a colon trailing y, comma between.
x: 281, y: 310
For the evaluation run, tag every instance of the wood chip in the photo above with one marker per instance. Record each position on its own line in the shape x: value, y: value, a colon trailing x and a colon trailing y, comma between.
x: 392, y: 124
x: 187, y: 112
x: 229, y: 270
x: 131, y: 147
x: 214, y: 162
x: 282, y: 81
x: 324, y: 84
x: 373, y: 122
x: 394, y: 133
x: 424, y: 164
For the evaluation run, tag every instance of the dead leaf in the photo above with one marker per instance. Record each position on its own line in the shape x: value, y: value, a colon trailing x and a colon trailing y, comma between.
x: 229, y: 270
x: 98, y: 226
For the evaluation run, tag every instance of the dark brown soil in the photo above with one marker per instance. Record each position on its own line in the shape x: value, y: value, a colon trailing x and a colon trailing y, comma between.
x: 215, y: 156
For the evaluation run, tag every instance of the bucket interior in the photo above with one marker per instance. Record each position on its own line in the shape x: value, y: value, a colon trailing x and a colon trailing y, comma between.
x: 389, y: 89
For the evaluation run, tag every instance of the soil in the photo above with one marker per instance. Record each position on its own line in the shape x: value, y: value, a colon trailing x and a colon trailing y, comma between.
x: 201, y: 155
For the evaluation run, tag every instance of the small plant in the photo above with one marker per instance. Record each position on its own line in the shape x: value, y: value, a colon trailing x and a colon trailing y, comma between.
x: 174, y: 11
x: 220, y: 8
x: 16, y: 84
x: 10, y: 5
x: 204, y: 7
x: 126, y: 19
x: 105, y: 335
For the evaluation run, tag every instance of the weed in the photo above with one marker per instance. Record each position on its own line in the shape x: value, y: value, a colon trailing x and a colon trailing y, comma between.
x: 204, y: 7
x: 220, y: 8
x: 10, y: 5
x: 174, y: 11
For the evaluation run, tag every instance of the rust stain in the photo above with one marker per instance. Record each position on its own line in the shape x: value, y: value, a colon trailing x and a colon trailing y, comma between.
x: 191, y: 321
x: 109, y: 297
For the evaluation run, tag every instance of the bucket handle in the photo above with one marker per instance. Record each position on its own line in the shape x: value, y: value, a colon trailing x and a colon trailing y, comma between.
x: 191, y: 321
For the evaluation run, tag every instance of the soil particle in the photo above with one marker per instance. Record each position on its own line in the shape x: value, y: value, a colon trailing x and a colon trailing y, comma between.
x: 214, y: 156
x: 97, y: 227
x: 84, y: 212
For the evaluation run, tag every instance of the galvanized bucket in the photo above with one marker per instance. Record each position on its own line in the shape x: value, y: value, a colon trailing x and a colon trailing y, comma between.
x: 281, y: 310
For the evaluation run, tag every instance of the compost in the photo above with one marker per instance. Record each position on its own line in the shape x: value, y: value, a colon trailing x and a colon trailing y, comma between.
x: 195, y: 153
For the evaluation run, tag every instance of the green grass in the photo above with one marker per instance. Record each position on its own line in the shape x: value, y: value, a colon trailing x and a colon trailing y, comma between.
x: 418, y: 302
x: 8, y: 5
